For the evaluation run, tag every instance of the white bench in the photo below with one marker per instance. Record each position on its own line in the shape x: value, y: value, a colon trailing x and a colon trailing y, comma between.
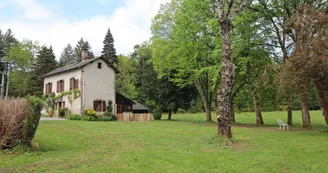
x: 282, y: 125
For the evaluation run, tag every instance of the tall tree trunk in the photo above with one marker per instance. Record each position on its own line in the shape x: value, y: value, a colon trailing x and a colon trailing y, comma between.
x: 206, y: 99
x: 305, y: 109
x: 323, y: 96
x: 289, y: 116
x: 256, y: 103
x: 8, y: 79
x: 169, y: 115
x: 224, y: 109
x: 232, y: 116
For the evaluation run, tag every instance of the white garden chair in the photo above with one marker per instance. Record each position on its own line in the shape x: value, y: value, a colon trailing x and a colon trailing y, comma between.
x: 282, y: 125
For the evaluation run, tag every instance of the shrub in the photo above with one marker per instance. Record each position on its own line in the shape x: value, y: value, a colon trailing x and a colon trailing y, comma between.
x: 114, y: 118
x: 89, y: 118
x: 63, y: 112
x: 19, y: 119
x: 90, y: 112
x: 157, y: 116
x: 104, y: 119
x: 74, y: 117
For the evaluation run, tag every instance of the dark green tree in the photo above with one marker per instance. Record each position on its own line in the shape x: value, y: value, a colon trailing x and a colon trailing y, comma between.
x: 80, y: 46
x: 109, y: 51
x: 159, y: 93
x: 67, y: 56
x: 44, y: 63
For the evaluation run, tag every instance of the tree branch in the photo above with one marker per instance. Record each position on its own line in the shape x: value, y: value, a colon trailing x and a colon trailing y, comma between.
x: 239, y: 9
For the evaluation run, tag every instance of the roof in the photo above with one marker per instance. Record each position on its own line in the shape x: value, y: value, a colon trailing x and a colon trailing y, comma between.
x: 138, y: 106
x: 78, y: 65
x: 121, y: 99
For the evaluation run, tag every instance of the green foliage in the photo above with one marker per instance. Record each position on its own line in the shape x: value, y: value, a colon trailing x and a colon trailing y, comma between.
x: 114, y: 118
x: 63, y: 112
x: 80, y: 46
x: 109, y: 51
x: 67, y: 56
x: 157, y: 115
x: 89, y: 118
x: 44, y: 63
x: 125, y: 80
x: 31, y: 124
x: 109, y: 109
x: 104, y: 118
x: 74, y: 117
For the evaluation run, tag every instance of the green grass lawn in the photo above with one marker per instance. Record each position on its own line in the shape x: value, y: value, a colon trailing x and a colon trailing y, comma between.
x: 171, y: 146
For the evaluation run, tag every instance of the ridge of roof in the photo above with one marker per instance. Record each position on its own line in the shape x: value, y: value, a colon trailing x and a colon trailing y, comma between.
x: 78, y: 65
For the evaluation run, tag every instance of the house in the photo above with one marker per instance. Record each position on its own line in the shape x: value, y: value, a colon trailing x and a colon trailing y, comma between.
x: 95, y: 78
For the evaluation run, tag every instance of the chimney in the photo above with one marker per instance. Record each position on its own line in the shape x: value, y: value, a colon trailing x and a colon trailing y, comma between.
x: 84, y: 55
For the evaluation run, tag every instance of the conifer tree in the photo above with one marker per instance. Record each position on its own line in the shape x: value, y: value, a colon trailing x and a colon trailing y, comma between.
x: 81, y: 44
x: 45, y: 62
x: 109, y: 52
x: 67, y: 56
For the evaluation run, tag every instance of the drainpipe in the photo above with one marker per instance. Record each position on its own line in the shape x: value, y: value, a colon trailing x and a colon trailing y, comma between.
x: 82, y: 92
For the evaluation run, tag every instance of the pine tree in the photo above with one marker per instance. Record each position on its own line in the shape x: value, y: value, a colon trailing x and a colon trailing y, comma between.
x: 45, y: 62
x: 81, y: 44
x: 109, y: 52
x: 67, y: 56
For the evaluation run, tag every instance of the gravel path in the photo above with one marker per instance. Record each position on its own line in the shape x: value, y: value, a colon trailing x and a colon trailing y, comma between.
x: 51, y: 119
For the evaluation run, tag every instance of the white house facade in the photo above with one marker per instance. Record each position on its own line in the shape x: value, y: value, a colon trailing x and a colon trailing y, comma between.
x: 95, y: 79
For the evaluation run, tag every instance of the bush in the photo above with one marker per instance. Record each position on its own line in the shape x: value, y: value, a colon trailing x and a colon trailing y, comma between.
x: 63, y: 112
x: 89, y: 118
x: 90, y: 112
x: 114, y: 118
x: 157, y: 116
x: 19, y: 119
x: 104, y: 119
x: 74, y: 117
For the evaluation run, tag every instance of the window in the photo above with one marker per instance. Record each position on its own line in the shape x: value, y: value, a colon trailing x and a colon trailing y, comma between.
x: 73, y: 84
x: 99, y: 65
x: 48, y: 88
x: 60, y: 86
x: 99, y: 105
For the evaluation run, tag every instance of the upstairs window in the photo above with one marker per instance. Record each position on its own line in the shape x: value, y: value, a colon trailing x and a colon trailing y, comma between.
x: 48, y: 89
x: 73, y: 84
x: 60, y: 86
x: 99, y: 65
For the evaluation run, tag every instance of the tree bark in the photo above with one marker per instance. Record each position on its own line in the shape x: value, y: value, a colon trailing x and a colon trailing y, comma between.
x: 204, y: 92
x: 170, y: 115
x: 289, y: 116
x: 256, y: 103
x: 305, y: 109
x: 232, y: 116
x: 224, y: 109
x: 323, y: 96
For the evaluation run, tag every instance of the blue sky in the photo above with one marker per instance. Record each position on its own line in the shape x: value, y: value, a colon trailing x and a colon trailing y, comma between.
x: 59, y: 22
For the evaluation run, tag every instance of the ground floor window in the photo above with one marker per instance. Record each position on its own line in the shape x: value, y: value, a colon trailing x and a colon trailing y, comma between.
x: 99, y: 105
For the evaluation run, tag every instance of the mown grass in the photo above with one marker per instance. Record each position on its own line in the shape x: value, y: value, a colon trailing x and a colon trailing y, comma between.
x: 169, y: 146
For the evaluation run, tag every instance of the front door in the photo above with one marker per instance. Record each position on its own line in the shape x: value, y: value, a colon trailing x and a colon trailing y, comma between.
x: 119, y: 109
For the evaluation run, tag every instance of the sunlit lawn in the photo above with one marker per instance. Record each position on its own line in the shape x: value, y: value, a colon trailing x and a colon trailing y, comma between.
x: 172, y: 146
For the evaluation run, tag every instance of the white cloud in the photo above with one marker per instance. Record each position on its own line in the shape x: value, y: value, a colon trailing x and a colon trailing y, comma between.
x: 129, y: 24
x: 33, y: 10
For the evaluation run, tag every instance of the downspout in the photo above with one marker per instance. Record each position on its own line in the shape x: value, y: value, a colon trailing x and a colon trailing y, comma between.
x: 82, y: 92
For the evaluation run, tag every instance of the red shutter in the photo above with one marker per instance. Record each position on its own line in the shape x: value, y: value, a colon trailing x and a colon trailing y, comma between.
x: 77, y: 84
x: 71, y: 87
